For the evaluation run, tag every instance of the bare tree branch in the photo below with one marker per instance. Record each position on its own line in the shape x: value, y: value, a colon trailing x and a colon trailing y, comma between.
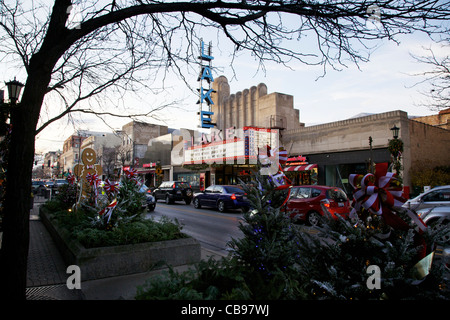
x: 438, y: 78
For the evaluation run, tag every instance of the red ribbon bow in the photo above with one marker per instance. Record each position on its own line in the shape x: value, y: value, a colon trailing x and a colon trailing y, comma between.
x: 376, y: 194
x: 71, y: 178
x: 93, y: 179
x: 131, y: 173
x: 111, y: 186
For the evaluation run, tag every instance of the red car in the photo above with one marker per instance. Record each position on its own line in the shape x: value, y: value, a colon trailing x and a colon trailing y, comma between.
x: 305, y: 203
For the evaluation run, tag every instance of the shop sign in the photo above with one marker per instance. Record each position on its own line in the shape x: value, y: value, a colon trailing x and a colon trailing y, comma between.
x: 296, y: 161
x: 149, y: 165
x: 205, y: 94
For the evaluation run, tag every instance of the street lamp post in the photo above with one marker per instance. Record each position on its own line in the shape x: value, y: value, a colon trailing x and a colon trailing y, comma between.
x: 14, y: 88
x: 395, y: 131
x: 396, y: 149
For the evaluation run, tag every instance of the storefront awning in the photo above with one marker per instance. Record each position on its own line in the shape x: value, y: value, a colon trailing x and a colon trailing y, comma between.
x: 303, y: 167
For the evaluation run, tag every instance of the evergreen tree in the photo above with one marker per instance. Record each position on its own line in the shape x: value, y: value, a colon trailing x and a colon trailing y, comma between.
x: 268, y: 248
x: 334, y: 264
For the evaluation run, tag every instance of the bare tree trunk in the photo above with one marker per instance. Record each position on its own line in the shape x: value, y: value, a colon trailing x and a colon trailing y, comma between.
x: 15, y: 243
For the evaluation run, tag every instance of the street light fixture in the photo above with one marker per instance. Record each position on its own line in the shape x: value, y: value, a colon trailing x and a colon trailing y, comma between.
x: 395, y: 131
x: 14, y: 88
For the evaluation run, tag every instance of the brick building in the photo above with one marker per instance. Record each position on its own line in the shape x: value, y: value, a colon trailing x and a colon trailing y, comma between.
x: 441, y: 120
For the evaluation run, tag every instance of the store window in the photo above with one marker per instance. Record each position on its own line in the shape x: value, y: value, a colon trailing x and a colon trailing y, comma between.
x: 192, y: 178
x: 299, y: 178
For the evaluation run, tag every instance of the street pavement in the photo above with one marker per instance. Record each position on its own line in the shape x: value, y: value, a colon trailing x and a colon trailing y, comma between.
x: 46, y: 274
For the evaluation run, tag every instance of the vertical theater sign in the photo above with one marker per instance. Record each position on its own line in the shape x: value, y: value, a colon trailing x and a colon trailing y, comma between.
x: 205, y: 77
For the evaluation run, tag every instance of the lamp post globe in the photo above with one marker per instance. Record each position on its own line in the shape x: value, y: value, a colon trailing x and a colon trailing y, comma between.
x: 14, y: 88
x: 395, y: 131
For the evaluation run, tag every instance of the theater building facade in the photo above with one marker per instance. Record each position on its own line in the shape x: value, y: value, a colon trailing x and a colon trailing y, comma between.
x: 326, y: 154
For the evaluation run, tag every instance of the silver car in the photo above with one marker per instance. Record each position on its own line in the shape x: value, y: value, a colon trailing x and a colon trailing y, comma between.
x: 436, y: 197
x: 430, y: 215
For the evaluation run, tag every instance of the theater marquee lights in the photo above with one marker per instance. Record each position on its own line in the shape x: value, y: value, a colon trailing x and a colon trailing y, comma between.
x: 205, y: 94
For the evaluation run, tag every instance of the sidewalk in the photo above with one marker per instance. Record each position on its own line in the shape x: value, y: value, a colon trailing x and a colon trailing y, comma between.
x: 46, y: 275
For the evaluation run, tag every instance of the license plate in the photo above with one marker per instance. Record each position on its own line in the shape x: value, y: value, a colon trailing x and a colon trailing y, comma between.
x: 340, y: 204
x: 179, y: 192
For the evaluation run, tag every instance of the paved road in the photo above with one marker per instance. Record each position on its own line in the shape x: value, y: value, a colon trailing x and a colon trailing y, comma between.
x: 210, y: 227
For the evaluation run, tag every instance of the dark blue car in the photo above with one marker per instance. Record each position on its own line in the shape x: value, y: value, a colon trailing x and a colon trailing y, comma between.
x: 222, y: 198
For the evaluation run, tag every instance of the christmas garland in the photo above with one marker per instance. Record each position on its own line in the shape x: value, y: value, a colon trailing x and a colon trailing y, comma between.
x: 395, y: 147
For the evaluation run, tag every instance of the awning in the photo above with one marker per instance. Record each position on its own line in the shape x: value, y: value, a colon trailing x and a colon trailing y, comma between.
x: 303, y: 167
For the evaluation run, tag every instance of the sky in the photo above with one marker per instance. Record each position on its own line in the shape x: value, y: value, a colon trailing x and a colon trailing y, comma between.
x: 383, y: 84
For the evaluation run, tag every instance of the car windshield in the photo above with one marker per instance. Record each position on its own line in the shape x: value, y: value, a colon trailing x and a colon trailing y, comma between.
x: 336, y: 194
x: 233, y: 190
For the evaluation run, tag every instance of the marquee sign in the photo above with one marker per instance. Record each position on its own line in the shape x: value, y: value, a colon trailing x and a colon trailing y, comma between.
x: 205, y: 94
x: 237, y: 146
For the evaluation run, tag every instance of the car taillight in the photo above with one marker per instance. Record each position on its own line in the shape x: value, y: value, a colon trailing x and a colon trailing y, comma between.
x: 173, y: 186
x: 326, y: 203
x: 233, y: 197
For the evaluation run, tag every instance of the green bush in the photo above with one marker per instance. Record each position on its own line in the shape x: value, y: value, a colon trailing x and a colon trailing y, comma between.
x: 209, y: 280
x: 82, y: 226
x: 67, y: 195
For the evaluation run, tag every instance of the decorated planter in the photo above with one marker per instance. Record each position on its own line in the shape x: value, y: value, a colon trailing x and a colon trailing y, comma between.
x: 96, y: 263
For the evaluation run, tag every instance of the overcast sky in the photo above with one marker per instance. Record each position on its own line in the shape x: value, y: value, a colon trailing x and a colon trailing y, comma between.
x: 385, y: 83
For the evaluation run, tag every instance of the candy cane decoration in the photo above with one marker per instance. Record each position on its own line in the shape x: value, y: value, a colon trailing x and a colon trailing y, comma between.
x: 107, y: 211
x: 275, y: 158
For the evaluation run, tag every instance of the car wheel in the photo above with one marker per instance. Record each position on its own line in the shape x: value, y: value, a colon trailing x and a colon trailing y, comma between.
x: 151, y: 207
x: 221, y: 206
x: 188, y: 200
x: 313, y: 218
x: 197, y: 203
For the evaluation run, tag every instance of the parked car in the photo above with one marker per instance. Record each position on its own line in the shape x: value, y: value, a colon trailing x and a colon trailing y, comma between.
x: 434, y: 214
x: 439, y: 196
x: 222, y: 197
x: 305, y: 203
x: 171, y: 191
x: 150, y: 201
x: 38, y: 186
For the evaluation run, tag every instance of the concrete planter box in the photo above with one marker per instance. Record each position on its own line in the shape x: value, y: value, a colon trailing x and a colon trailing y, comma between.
x: 103, y: 262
